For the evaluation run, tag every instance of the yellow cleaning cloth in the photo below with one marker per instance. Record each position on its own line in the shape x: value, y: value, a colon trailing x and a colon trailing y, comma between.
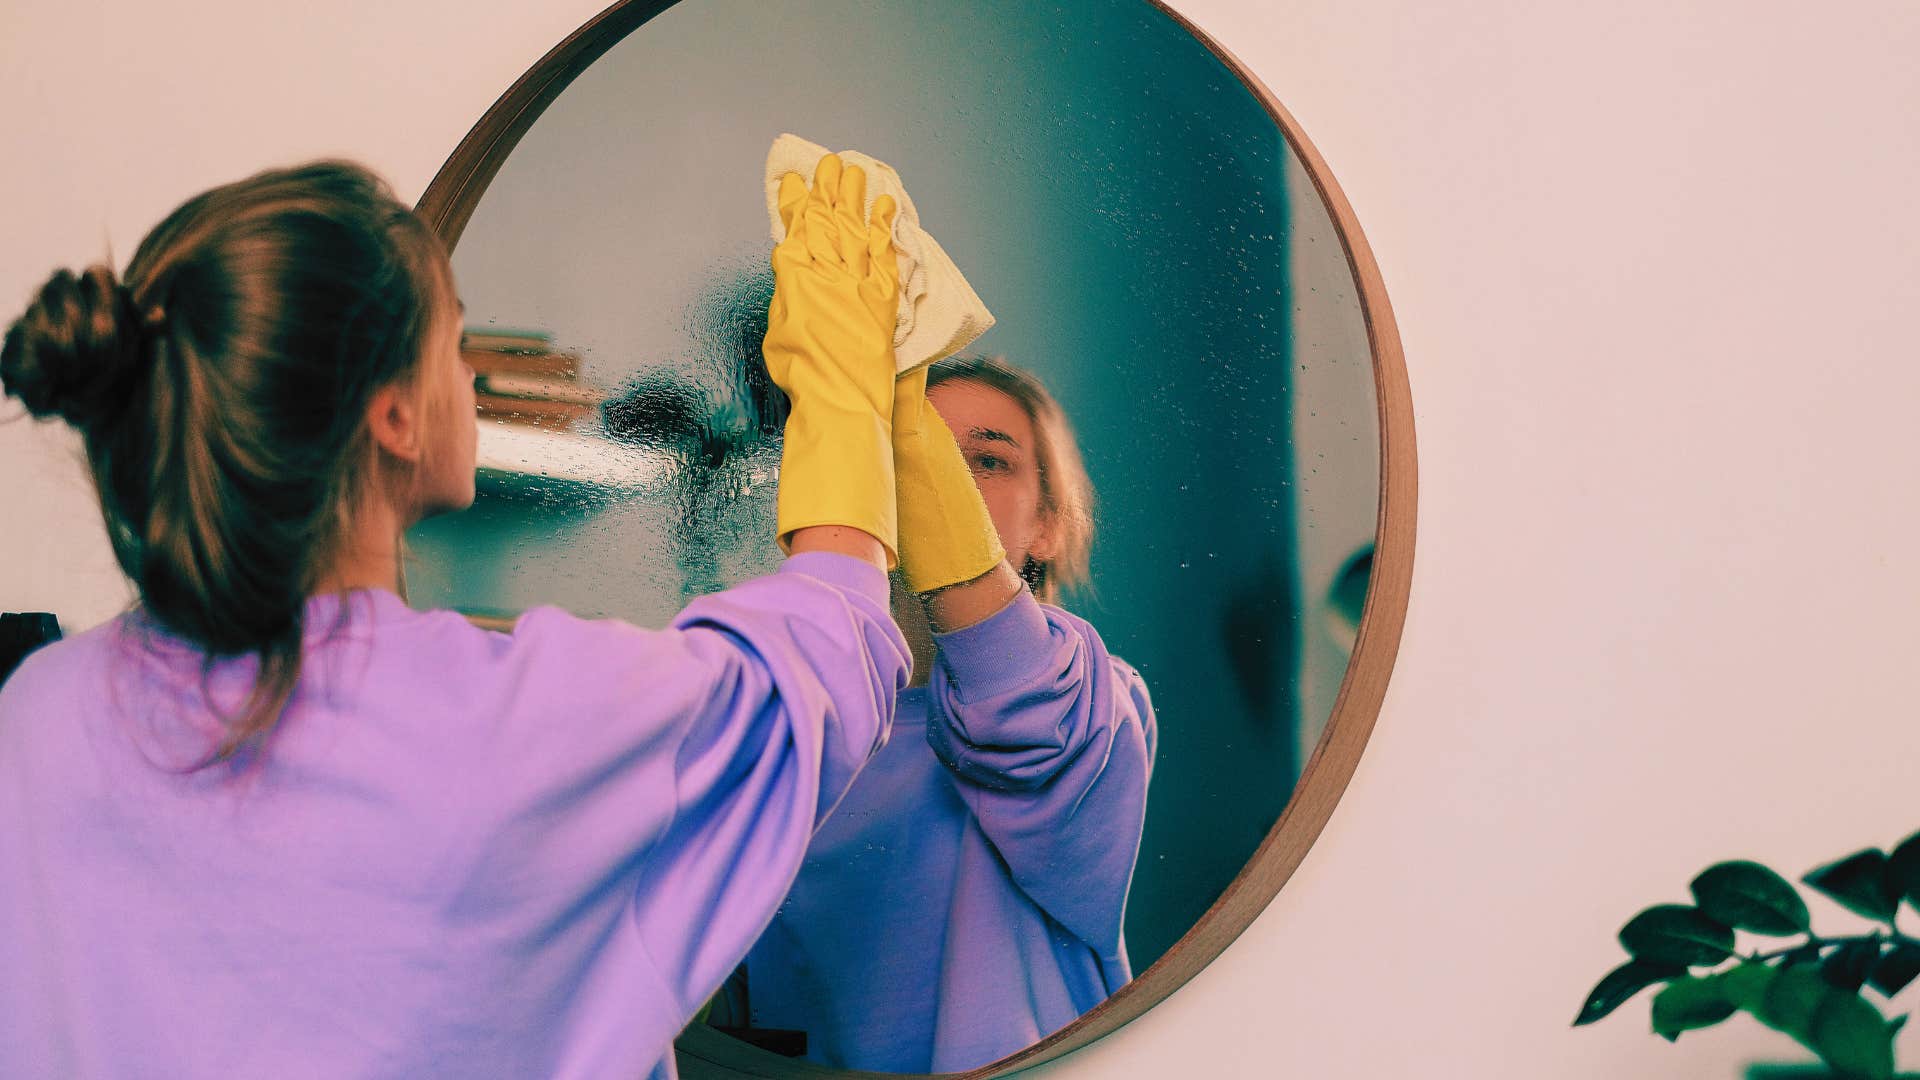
x: 940, y: 314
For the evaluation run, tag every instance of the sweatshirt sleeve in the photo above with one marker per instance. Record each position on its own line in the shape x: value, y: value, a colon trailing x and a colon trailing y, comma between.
x: 1050, y: 742
x: 802, y: 669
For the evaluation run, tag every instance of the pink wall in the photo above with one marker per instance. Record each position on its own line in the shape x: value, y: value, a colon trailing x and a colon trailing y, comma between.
x: 1655, y: 270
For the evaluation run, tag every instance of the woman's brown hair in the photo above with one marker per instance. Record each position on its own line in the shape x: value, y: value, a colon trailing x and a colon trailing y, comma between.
x: 1066, y: 492
x: 221, y: 392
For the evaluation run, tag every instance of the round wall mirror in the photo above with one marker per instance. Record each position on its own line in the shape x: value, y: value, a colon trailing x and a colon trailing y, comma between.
x: 1164, y: 253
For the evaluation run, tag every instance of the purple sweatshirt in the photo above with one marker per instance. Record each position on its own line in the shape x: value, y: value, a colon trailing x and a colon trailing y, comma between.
x: 464, y: 853
x: 966, y: 898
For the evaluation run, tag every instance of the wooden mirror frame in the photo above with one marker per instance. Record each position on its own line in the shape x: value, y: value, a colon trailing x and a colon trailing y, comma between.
x: 705, y: 1054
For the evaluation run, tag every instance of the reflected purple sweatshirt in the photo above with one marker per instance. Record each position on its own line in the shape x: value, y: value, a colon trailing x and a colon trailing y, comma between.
x: 966, y: 898
x: 464, y: 853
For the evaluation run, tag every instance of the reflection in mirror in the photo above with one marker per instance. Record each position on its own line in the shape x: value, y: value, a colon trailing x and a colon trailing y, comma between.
x: 1160, y: 264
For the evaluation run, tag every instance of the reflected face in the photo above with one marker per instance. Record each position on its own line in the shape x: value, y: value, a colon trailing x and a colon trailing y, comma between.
x: 998, y: 439
x: 447, y: 460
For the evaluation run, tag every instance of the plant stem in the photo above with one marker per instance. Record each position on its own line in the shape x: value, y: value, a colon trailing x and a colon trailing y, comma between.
x: 1891, y: 936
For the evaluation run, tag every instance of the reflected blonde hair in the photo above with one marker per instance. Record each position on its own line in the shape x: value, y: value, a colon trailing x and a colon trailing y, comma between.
x: 1066, y: 492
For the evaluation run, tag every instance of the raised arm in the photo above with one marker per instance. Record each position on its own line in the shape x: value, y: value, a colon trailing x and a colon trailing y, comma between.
x: 801, y: 700
x: 801, y: 670
x: 1050, y: 741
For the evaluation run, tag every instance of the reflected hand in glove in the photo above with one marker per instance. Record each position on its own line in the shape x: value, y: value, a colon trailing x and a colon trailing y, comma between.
x: 830, y: 347
x: 946, y: 535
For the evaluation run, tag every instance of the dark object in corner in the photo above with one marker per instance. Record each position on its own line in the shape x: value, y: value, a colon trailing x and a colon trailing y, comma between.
x: 20, y: 634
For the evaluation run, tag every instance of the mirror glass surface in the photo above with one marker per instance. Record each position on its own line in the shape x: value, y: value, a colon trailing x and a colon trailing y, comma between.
x: 1154, y: 253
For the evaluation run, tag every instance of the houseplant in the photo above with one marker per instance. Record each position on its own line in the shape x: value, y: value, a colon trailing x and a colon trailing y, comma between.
x: 1829, y: 993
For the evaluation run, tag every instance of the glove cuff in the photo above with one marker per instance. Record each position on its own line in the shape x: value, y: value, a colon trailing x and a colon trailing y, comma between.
x: 838, y: 470
x: 946, y: 534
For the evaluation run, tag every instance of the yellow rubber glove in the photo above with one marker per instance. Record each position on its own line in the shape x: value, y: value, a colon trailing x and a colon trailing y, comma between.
x: 836, y: 290
x: 946, y: 535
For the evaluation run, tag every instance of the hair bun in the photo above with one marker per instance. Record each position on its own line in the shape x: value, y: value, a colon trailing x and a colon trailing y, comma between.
x: 73, y: 353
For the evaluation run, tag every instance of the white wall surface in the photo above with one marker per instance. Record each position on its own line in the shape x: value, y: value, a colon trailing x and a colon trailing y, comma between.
x: 1655, y: 267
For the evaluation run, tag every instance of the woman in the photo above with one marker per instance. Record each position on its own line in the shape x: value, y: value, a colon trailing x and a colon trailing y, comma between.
x: 271, y: 822
x: 966, y: 899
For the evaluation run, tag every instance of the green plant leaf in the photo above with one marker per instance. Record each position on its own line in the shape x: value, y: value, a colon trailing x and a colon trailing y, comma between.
x: 1848, y: 1033
x: 1903, y: 870
x: 1748, y: 896
x: 1895, y: 970
x: 1851, y: 1035
x: 1848, y: 966
x: 1690, y: 1003
x: 1676, y: 934
x: 1746, y: 984
x: 1621, y: 984
x: 1791, y: 1000
x: 1858, y: 883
